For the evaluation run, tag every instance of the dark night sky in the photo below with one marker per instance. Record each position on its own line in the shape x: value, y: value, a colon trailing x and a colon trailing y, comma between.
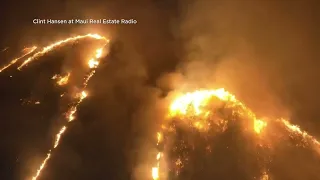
x: 267, y: 53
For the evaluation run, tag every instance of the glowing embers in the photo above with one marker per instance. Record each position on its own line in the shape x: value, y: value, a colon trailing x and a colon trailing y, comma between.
x: 62, y: 80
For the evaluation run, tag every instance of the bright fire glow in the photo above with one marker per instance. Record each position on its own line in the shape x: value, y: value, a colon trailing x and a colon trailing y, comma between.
x: 196, y: 108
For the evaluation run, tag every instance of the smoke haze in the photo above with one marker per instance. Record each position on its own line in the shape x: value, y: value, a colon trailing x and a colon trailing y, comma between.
x: 264, y: 52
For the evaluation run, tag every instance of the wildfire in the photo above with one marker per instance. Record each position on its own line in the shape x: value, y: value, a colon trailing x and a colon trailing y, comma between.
x: 84, y: 94
x: 155, y: 173
x: 93, y: 63
x: 58, y: 136
x: 58, y: 44
x: 259, y: 126
x: 43, y: 164
x: 63, y: 80
x: 99, y: 53
x: 27, y: 52
x: 195, y: 107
